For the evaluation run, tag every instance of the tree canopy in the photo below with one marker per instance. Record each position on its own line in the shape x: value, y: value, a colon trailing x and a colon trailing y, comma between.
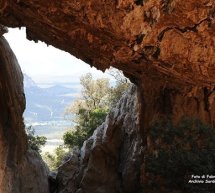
x: 98, y: 96
x: 87, y: 112
x: 35, y: 142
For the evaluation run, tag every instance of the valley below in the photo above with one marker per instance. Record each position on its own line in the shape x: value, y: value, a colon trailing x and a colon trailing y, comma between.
x: 45, y: 110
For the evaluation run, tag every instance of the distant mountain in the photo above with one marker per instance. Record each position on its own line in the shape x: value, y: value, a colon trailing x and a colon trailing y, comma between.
x: 28, y: 82
x: 58, y: 90
x: 46, y: 104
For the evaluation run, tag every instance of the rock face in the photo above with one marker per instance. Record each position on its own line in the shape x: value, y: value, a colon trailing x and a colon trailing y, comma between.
x: 21, y: 171
x: 31, y: 175
x: 166, y: 47
x: 113, y: 159
x: 155, y: 38
x: 110, y: 161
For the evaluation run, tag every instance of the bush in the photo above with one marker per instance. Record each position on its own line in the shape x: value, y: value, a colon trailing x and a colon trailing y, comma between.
x: 177, y: 152
x: 35, y: 142
x: 92, y: 108
x: 88, y: 121
x: 56, y: 159
x: 74, y: 138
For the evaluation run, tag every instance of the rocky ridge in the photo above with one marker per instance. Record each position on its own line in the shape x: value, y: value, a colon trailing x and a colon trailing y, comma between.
x: 109, y: 161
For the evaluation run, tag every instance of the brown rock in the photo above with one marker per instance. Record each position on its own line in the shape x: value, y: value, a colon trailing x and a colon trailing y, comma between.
x: 165, y: 47
x: 112, y: 160
x: 21, y: 171
x: 109, y: 161
x: 170, y: 38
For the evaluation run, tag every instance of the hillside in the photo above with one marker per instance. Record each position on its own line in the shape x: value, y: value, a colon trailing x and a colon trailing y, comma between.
x: 46, y: 104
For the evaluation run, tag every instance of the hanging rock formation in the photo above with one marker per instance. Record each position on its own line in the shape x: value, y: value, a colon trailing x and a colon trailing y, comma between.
x: 166, y: 47
x: 21, y: 171
x: 164, y: 39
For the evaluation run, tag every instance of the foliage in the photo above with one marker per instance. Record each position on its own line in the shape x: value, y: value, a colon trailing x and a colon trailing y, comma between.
x: 122, y: 85
x: 55, y: 160
x: 74, y: 137
x: 177, y: 152
x: 35, y: 142
x: 94, y: 92
x: 90, y: 111
x: 88, y: 121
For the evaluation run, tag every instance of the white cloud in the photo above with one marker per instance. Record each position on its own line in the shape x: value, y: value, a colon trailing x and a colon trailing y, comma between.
x: 47, y: 64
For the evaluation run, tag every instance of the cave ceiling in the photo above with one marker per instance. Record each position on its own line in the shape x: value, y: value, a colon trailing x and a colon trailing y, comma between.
x: 165, y: 40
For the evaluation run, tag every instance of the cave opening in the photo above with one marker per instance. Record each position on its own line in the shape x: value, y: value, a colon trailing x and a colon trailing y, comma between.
x: 174, y: 77
x: 129, y: 128
x: 22, y: 162
x: 52, y: 87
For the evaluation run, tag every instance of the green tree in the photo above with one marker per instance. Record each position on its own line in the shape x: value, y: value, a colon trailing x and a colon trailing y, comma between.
x: 90, y: 111
x: 55, y: 160
x: 122, y: 85
x: 74, y: 137
x: 35, y: 142
x: 94, y: 92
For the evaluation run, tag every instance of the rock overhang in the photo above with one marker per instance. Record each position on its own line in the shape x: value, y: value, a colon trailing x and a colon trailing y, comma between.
x: 163, y: 40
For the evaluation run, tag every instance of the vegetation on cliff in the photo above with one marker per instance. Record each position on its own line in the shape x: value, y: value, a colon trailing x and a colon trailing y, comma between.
x: 89, y: 111
x: 35, y: 142
x: 177, y: 152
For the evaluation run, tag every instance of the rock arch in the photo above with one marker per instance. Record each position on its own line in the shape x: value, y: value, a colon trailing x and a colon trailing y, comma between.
x: 174, y: 40
x: 165, y: 47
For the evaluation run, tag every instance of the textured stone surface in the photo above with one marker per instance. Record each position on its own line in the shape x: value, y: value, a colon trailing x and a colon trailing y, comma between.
x: 157, y: 38
x: 112, y: 160
x: 166, y: 47
x: 109, y: 161
x: 175, y: 101
x: 12, y: 104
x: 21, y: 171
x: 31, y: 175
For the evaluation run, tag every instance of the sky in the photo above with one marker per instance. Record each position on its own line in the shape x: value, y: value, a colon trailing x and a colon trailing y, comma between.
x: 46, y: 64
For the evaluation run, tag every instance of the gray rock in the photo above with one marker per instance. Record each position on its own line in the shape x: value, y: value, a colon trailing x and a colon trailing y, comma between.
x: 110, y: 160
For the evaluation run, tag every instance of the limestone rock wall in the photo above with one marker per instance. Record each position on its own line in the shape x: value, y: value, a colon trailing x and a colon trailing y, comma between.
x: 163, y: 39
x: 13, y: 142
x: 110, y: 160
x: 113, y: 159
x: 166, y: 47
x: 160, y: 101
x: 21, y: 171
